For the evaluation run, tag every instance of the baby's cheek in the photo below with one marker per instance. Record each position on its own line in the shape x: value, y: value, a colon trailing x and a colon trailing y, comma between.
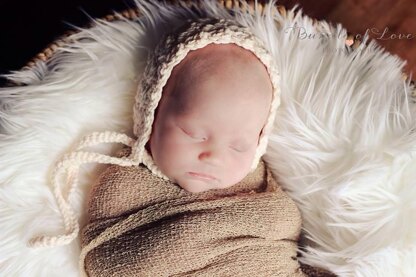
x: 166, y: 145
x: 180, y: 149
x: 239, y: 167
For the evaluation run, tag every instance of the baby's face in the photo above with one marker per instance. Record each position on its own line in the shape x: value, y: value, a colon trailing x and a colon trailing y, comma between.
x: 210, y: 118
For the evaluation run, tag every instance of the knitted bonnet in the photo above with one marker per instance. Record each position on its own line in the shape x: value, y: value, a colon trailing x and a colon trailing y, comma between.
x: 170, y: 51
x: 194, y: 35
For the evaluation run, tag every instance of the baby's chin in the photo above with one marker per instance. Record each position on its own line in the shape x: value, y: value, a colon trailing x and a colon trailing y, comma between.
x: 196, y: 186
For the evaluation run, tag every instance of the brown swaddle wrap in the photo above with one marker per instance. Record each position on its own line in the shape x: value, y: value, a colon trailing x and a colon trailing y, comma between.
x: 142, y: 225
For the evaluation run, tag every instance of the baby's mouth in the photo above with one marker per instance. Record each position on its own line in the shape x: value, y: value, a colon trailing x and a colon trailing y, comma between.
x: 202, y: 176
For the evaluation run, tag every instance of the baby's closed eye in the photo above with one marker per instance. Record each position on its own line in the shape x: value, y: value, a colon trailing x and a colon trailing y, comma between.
x: 241, y: 148
x: 238, y: 145
x: 193, y: 135
x: 237, y: 149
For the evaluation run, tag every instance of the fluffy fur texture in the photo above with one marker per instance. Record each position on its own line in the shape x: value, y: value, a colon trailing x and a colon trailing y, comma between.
x: 343, y: 144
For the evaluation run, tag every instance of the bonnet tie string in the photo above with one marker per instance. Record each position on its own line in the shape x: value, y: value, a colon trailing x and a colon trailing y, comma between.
x: 70, y: 165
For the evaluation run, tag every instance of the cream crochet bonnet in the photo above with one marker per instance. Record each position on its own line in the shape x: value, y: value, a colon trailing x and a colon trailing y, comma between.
x: 171, y: 50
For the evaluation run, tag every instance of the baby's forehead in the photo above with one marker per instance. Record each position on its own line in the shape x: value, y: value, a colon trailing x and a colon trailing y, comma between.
x: 217, y: 61
x: 227, y: 69
x: 220, y: 56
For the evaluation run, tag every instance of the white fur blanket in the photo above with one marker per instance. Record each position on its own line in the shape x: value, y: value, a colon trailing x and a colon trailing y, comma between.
x: 344, y: 143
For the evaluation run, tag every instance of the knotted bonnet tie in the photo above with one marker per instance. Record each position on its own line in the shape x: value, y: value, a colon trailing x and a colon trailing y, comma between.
x: 170, y: 51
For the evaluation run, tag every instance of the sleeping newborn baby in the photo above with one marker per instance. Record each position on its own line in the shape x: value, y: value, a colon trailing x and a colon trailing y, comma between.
x: 192, y: 196
x: 202, y: 203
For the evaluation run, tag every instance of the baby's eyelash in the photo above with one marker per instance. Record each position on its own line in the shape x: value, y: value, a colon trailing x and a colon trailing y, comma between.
x: 237, y: 149
x: 193, y: 136
x: 199, y: 138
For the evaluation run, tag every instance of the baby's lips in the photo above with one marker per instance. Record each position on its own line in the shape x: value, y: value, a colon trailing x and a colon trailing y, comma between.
x: 201, y: 175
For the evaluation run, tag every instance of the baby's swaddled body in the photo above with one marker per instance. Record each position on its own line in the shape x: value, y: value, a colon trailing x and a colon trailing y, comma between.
x: 201, y: 204
x: 142, y: 225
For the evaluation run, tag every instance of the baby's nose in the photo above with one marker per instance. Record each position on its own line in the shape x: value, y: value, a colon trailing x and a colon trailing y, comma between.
x: 211, y: 156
